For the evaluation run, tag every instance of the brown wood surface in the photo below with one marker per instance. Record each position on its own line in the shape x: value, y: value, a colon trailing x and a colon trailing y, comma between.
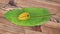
x: 50, y: 30
x: 56, y: 1
x: 8, y: 27
x: 53, y: 7
x: 52, y: 24
x: 4, y: 1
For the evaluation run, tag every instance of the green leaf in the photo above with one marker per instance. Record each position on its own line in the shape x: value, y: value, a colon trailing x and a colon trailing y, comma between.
x: 12, y: 15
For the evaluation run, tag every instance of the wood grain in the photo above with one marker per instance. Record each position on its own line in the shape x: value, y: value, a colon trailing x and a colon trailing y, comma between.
x: 7, y: 26
x: 49, y: 30
x: 53, y: 7
x: 4, y: 1
x: 56, y: 1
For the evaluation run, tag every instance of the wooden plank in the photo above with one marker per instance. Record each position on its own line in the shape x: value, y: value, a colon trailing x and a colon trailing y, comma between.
x: 50, y: 30
x: 9, y: 27
x: 33, y: 32
x: 36, y: 3
x: 52, y: 25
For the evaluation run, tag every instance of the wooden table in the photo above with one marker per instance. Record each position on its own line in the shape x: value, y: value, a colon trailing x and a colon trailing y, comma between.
x: 7, y: 27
